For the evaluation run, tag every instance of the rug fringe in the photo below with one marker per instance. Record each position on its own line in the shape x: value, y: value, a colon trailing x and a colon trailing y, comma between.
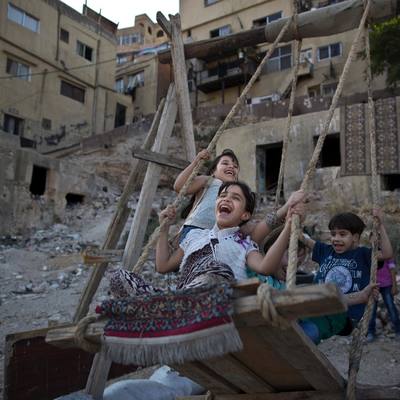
x: 145, y: 352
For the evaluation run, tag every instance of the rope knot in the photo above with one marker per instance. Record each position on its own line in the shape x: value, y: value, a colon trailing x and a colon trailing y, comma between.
x: 80, y: 338
x: 268, y: 310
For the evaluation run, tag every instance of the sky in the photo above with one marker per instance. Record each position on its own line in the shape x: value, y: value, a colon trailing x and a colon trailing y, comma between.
x: 124, y: 11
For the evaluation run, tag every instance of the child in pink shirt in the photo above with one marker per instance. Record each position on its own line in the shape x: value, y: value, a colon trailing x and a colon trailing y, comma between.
x: 386, y: 278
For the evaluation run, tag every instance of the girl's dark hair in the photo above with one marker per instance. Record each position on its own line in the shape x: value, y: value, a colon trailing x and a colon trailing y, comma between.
x: 214, y: 163
x: 226, y: 152
x: 349, y: 221
x: 249, y: 196
x: 273, y: 236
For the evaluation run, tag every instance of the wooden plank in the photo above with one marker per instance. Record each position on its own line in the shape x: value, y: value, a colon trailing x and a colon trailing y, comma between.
x: 159, y: 158
x: 247, y: 311
x: 182, y: 89
x: 164, y: 23
x: 325, y: 21
x: 266, y: 362
x: 206, y: 377
x: 58, y: 371
x: 303, y: 355
x: 300, y: 302
x: 134, y: 243
x: 377, y: 393
x: 239, y: 374
x: 118, y: 222
x: 97, y: 379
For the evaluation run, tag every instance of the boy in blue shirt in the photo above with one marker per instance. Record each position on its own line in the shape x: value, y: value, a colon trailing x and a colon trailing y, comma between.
x: 345, y: 262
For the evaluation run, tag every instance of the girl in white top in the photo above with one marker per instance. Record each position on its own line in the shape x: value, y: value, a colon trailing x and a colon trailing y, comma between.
x: 224, y: 168
x: 209, y: 256
x: 220, y: 253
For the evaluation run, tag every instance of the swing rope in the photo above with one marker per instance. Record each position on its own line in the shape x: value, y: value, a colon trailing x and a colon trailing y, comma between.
x: 179, y: 199
x: 359, y: 333
x: 297, y: 50
x: 295, y: 226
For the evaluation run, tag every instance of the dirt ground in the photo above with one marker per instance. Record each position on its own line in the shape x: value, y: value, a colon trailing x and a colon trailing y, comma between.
x: 42, y: 278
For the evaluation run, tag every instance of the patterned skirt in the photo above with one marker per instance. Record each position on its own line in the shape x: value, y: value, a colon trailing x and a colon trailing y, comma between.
x: 200, y: 269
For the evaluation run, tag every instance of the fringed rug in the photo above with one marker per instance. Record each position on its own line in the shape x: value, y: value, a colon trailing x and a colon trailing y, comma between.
x: 172, y: 327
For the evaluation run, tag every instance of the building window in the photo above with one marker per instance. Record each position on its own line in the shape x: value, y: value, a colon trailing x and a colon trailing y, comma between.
x: 18, y: 69
x: 84, y: 50
x: 328, y: 89
x: 135, y: 80
x: 222, y: 31
x: 306, y: 55
x: 149, y: 30
x: 126, y: 40
x: 330, y: 51
x: 64, y: 35
x: 280, y: 59
x: 72, y: 91
x: 13, y: 125
x: 266, y: 20
x: 119, y: 85
x: 22, y: 18
x: 210, y: 2
x: 46, y: 123
x: 160, y: 33
x: 122, y: 59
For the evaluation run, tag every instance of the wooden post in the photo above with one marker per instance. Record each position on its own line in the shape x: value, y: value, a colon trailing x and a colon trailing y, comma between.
x: 119, y: 220
x: 98, y: 375
x: 181, y: 82
x: 134, y: 244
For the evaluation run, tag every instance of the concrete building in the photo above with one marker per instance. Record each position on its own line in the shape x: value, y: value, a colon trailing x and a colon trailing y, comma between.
x: 58, y: 69
x: 139, y: 73
x: 217, y: 81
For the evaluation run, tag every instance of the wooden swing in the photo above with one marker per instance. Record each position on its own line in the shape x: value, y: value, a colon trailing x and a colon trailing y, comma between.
x: 275, y: 363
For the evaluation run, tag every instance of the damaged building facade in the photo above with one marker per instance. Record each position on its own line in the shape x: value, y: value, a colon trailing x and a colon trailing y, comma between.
x: 58, y: 73
x: 219, y: 71
x: 57, y: 87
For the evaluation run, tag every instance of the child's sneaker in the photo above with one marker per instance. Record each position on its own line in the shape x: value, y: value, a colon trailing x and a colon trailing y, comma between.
x: 370, y: 337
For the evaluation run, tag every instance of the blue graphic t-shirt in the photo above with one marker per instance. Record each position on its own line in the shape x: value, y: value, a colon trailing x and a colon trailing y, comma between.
x: 350, y: 271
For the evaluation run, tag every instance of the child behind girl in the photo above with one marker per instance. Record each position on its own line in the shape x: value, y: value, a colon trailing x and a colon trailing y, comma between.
x: 208, y: 256
x: 224, y: 168
x: 386, y: 279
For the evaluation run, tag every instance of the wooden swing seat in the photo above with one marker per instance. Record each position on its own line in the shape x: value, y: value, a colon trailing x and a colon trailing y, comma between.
x: 274, y: 363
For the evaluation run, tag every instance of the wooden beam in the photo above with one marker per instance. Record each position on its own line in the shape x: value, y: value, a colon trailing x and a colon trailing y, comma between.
x: 373, y: 393
x: 296, y: 303
x: 118, y: 222
x: 182, y: 89
x: 134, y: 244
x: 161, y: 159
x: 300, y: 302
x: 98, y: 375
x: 164, y: 23
x: 325, y: 21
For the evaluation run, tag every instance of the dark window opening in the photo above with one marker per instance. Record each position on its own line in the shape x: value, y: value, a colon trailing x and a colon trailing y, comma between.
x: 38, y: 181
x: 120, y: 115
x: 13, y: 124
x: 24, y: 142
x: 74, y: 199
x: 84, y: 50
x: 160, y: 33
x: 72, y: 91
x: 268, y: 164
x: 64, y: 35
x: 391, y: 182
x: 222, y: 31
x: 149, y: 30
x: 330, y: 153
x: 267, y: 19
x: 46, y: 123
